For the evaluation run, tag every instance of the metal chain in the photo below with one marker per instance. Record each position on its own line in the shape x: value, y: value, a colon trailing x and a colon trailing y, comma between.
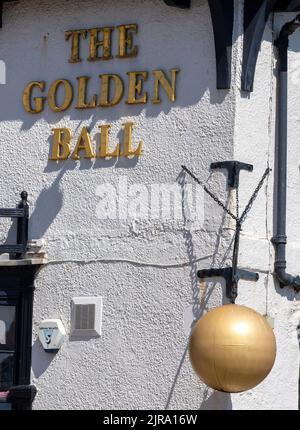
x: 254, y: 195
x: 211, y: 194
x: 237, y: 203
x: 239, y: 220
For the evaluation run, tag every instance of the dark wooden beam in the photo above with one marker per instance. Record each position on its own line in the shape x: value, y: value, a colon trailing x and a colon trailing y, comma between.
x: 287, y: 6
x: 1, y: 12
x: 222, y: 13
x: 183, y: 4
x: 256, y: 14
x: 1, y: 9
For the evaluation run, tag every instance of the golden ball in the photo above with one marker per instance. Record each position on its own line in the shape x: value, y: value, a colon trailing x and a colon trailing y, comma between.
x: 232, y: 348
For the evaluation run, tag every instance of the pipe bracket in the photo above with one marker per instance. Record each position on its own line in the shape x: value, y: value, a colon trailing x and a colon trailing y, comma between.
x: 279, y: 239
x: 231, y: 278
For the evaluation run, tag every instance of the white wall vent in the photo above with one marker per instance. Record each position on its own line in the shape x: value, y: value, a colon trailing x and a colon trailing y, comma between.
x: 86, y: 317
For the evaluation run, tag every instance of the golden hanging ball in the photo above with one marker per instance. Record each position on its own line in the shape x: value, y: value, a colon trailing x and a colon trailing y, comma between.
x: 232, y: 348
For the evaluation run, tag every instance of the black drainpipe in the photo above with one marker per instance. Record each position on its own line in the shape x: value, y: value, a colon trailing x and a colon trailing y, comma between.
x: 280, y: 239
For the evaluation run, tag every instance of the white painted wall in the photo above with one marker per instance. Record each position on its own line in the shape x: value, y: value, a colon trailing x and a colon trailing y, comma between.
x: 144, y: 270
x: 255, y: 136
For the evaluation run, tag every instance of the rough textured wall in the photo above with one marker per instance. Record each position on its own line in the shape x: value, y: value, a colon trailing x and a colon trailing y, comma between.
x: 145, y: 270
x: 254, y: 142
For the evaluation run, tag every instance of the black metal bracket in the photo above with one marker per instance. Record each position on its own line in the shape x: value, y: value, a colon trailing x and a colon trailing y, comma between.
x: 231, y: 278
x: 256, y: 15
x: 233, y: 274
x: 22, y: 215
x: 222, y: 14
x: 233, y: 168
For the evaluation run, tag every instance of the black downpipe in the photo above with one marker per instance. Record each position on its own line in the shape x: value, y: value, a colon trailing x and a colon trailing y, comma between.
x: 280, y: 239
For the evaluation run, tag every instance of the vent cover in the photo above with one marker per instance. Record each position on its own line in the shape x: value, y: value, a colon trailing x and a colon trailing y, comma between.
x: 86, y: 317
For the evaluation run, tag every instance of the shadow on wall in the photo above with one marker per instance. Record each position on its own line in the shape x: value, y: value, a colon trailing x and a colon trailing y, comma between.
x: 51, y: 49
x: 196, y: 80
x: 11, y: 236
x: 87, y: 164
x: 218, y: 400
x: 47, y: 206
x: 41, y: 360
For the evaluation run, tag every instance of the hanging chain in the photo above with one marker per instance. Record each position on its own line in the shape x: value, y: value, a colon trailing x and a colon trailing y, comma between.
x: 254, y: 195
x: 237, y: 202
x: 235, y: 253
x: 215, y: 198
x: 239, y: 220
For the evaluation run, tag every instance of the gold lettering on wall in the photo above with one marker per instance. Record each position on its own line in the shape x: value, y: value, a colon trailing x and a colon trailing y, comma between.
x: 82, y: 94
x: 84, y: 143
x: 38, y: 101
x: 128, y: 151
x: 104, y: 143
x: 101, y: 37
x: 112, y: 90
x: 75, y: 36
x: 127, y: 49
x: 104, y: 91
x: 135, y: 88
x: 161, y: 80
x: 68, y: 95
x: 106, y: 97
x: 61, y: 147
x: 104, y: 43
